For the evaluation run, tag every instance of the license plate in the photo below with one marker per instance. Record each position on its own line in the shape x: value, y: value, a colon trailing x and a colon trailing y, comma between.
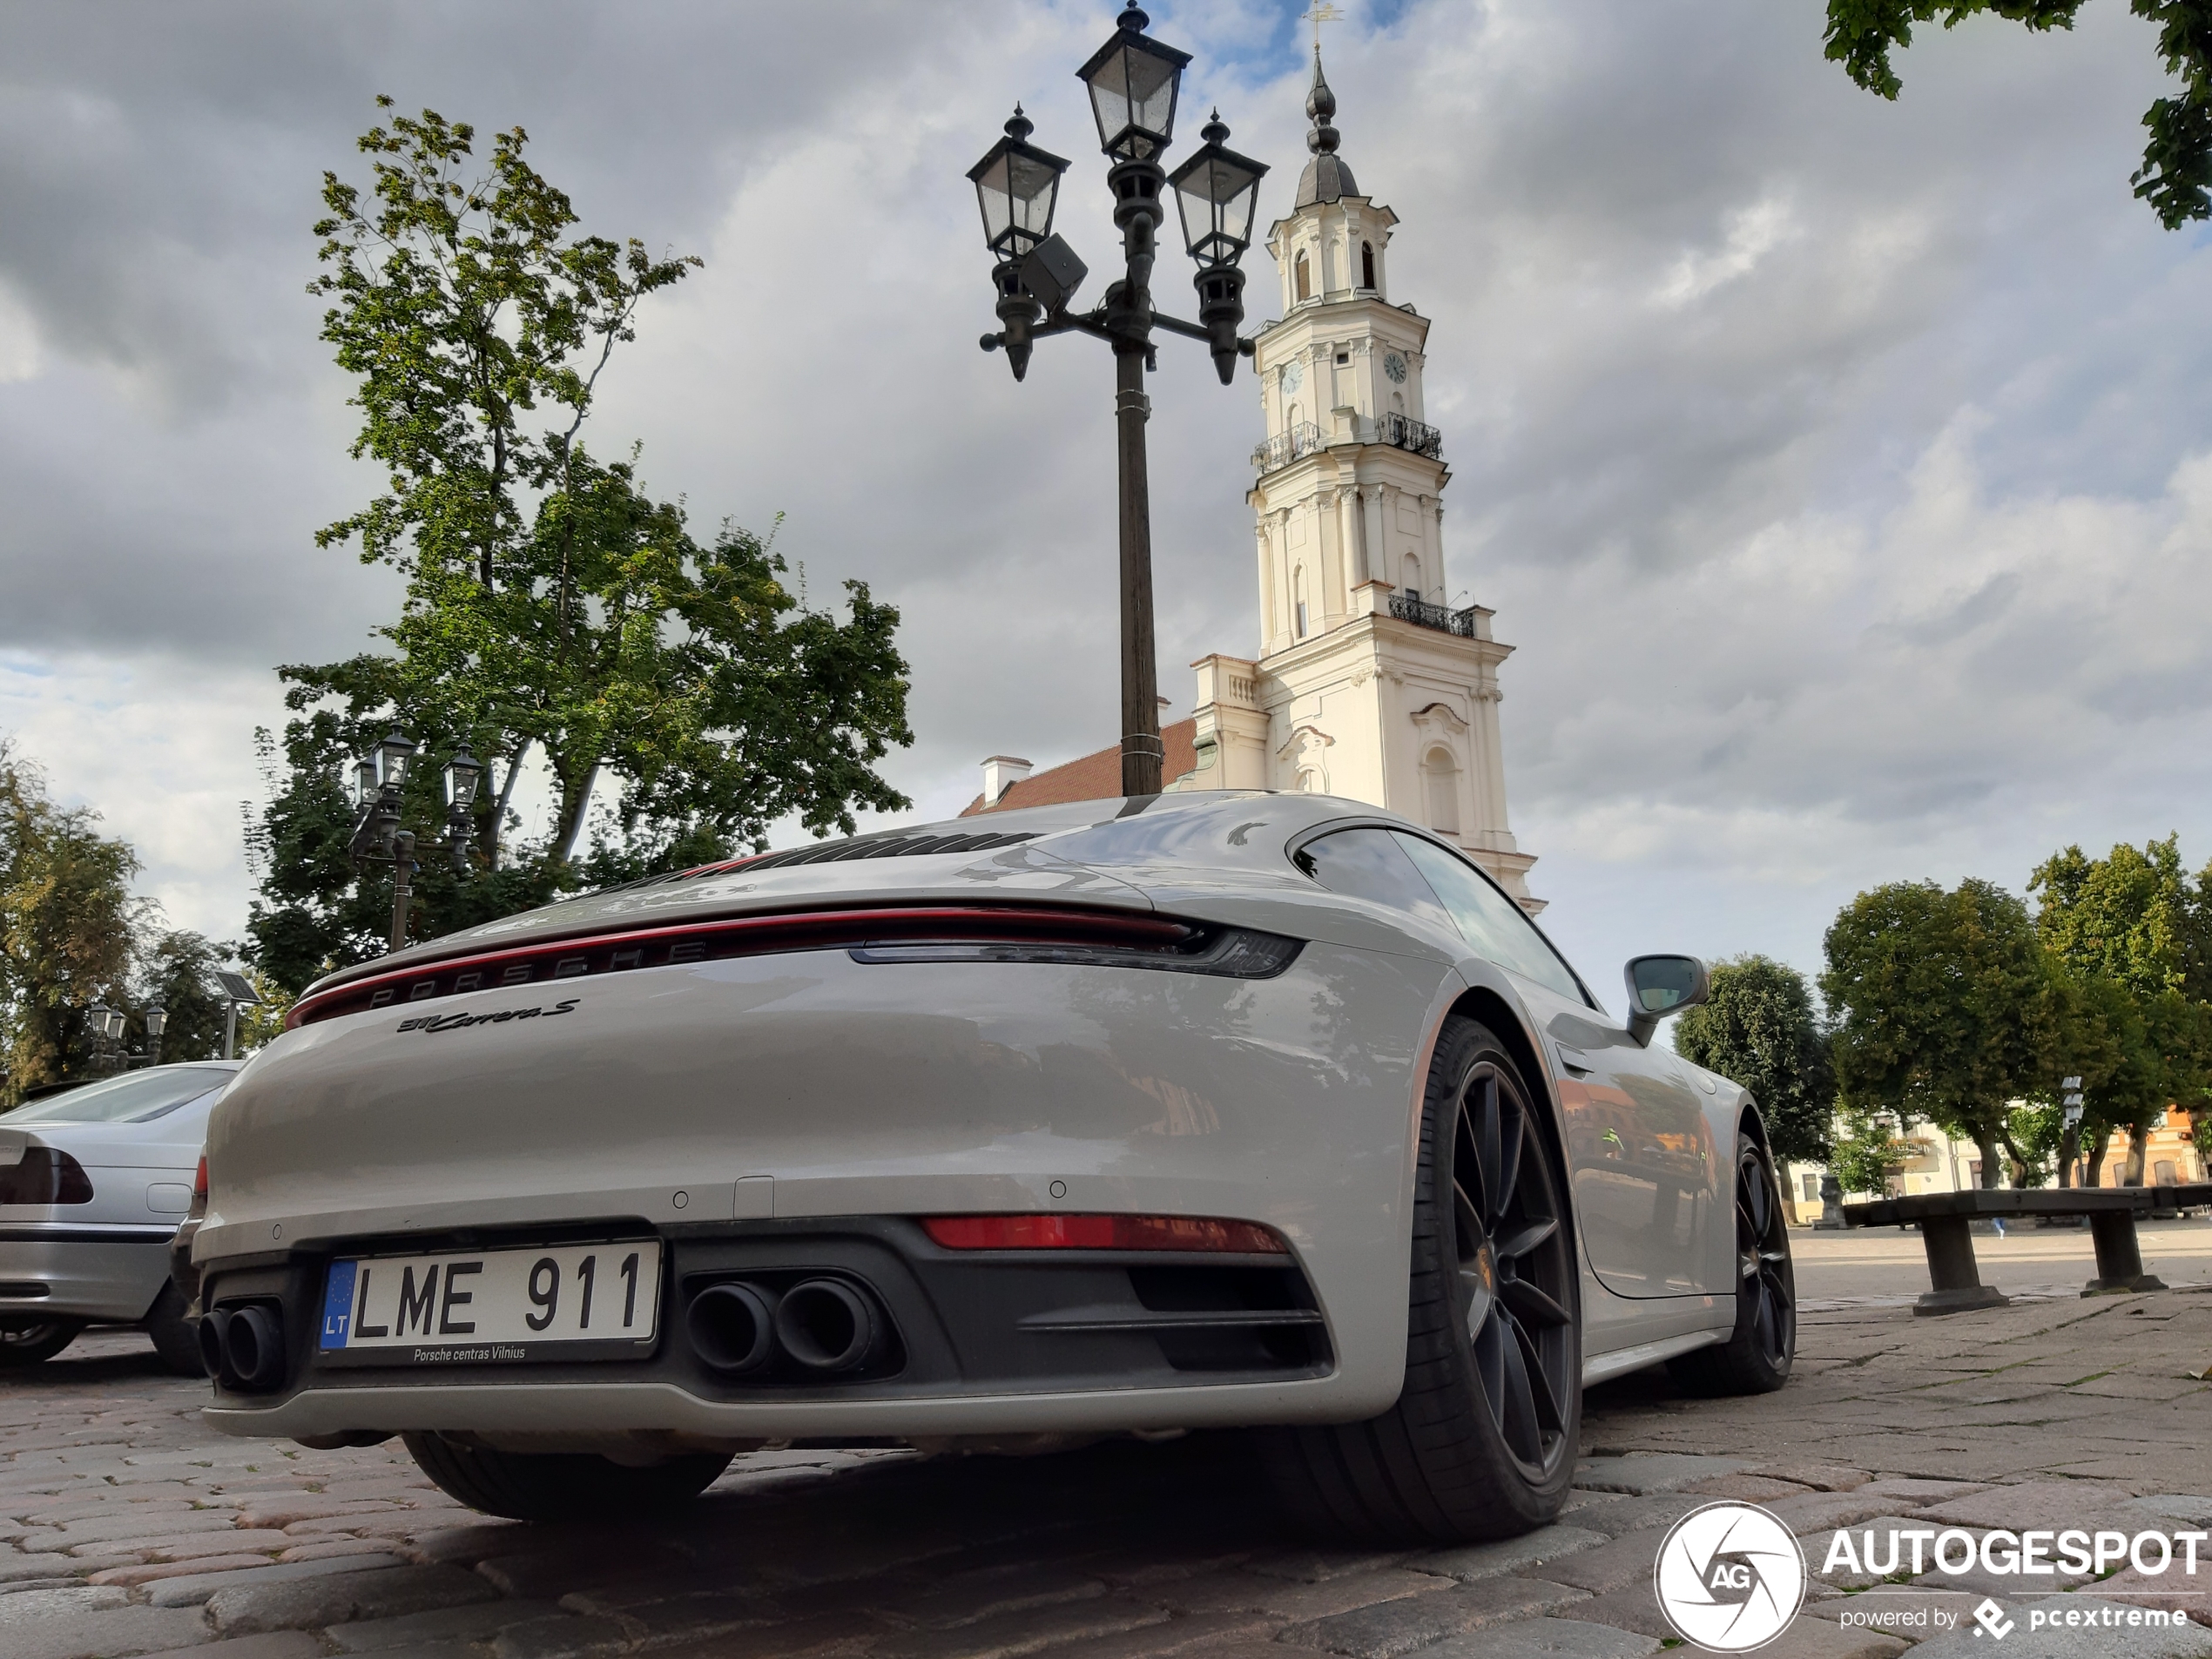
x: 563, y: 1302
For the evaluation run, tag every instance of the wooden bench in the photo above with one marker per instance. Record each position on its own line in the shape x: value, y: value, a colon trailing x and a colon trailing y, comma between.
x: 1944, y: 1220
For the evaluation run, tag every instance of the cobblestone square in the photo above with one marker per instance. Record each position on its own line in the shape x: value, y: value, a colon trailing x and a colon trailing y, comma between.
x: 127, y: 1528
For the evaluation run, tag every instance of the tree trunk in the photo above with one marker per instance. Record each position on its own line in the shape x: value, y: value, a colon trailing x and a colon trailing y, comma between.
x: 2020, y: 1173
x: 488, y: 835
x: 2138, y: 1139
x: 2069, y: 1150
x: 1990, y: 1167
x: 574, y: 804
x: 2094, y: 1174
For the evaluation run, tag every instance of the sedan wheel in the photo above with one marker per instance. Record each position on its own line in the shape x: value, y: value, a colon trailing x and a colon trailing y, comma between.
x: 28, y: 1342
x: 1757, y: 1357
x: 1481, y: 1442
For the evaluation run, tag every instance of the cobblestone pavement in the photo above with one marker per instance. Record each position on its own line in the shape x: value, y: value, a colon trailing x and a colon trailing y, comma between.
x: 127, y: 1528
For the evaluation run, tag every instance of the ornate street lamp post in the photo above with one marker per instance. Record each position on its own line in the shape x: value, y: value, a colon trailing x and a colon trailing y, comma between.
x: 379, y: 779
x: 1133, y: 81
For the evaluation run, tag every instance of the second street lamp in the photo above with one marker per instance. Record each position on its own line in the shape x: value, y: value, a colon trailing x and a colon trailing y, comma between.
x: 378, y: 838
x: 1133, y: 81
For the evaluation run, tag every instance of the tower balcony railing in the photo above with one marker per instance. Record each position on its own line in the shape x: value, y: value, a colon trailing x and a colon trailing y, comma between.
x: 1407, y: 608
x: 1304, y: 439
x: 1412, y: 435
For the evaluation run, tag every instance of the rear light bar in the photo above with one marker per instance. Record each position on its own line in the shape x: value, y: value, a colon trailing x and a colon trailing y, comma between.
x: 904, y: 934
x: 44, y: 1175
x: 1103, y: 1233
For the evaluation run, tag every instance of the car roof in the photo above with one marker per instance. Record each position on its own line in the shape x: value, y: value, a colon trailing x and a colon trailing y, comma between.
x: 1084, y: 852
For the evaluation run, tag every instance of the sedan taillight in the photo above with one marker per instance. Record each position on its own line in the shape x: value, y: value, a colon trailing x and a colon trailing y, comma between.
x: 44, y: 1175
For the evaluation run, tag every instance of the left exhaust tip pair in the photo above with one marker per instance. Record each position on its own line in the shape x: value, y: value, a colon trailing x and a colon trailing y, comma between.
x: 243, y: 1348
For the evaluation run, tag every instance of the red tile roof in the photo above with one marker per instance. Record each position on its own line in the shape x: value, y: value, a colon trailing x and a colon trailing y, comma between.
x: 1096, y: 776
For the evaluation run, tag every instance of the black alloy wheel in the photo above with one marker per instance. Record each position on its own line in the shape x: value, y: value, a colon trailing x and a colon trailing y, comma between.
x: 1516, y: 1277
x: 1760, y: 1351
x: 1480, y: 1444
x: 1762, y: 1260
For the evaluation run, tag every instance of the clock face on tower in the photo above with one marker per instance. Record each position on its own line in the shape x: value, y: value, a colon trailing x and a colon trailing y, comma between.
x: 1293, y: 376
x: 1394, y: 366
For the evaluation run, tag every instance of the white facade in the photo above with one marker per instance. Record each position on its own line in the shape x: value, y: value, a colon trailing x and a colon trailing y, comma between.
x: 1346, y: 698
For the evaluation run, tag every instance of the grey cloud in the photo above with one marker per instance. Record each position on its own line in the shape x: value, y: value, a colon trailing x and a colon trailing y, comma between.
x: 1825, y: 459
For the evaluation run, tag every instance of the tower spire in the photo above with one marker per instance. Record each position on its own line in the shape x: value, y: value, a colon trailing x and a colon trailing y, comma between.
x: 1326, y: 178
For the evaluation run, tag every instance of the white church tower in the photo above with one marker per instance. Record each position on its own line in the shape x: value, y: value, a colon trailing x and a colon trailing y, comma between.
x: 1367, y: 685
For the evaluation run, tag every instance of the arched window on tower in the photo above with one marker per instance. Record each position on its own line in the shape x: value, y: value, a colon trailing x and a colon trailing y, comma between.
x: 1305, y: 278
x: 1297, y: 600
x: 1440, y: 788
x: 1367, y: 264
x: 1412, y: 577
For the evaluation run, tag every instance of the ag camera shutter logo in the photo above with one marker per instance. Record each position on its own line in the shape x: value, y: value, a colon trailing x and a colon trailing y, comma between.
x: 1730, y: 1577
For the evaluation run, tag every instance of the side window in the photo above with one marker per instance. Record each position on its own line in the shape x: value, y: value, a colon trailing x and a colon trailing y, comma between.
x: 1493, y: 924
x: 1369, y: 863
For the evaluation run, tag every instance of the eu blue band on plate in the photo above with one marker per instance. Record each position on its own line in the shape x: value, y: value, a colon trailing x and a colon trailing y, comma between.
x: 338, y: 1303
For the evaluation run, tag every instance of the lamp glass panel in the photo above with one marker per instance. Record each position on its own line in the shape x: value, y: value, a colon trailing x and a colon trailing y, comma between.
x: 393, y: 755
x: 1032, y: 185
x: 1132, y: 95
x: 157, y: 1019
x: 364, y: 780
x: 1216, y: 192
x: 995, y: 197
x: 462, y: 773
x: 1016, y: 186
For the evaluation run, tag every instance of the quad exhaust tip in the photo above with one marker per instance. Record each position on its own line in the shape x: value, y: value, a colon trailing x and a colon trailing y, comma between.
x: 243, y: 1348
x: 732, y: 1327
x: 825, y: 1325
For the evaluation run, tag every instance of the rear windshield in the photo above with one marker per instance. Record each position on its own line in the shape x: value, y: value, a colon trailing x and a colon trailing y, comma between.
x: 136, y: 1098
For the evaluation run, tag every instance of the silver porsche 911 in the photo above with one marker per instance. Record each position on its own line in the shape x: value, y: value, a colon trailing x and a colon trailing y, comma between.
x: 1204, y: 1110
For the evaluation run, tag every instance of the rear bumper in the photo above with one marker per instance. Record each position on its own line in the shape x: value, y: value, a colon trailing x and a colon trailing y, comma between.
x: 82, y: 1272
x: 977, y: 1342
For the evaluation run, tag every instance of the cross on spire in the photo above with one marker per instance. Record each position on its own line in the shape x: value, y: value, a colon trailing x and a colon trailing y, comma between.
x: 1322, y: 12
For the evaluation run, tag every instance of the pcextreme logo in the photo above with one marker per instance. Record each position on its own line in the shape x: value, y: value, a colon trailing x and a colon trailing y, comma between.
x: 1730, y: 1577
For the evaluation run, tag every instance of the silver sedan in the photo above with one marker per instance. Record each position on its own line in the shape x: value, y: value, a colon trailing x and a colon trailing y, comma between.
x: 93, y: 1182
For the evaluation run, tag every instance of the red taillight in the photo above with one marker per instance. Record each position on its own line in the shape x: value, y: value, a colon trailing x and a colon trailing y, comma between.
x: 1102, y: 1233
x: 44, y: 1175
x: 199, y: 1178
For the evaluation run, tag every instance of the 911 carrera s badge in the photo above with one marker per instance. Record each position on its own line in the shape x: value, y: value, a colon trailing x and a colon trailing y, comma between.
x: 454, y: 1022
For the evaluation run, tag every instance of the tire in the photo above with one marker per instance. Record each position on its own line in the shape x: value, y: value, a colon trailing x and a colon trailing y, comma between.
x: 1758, y: 1354
x: 30, y: 1342
x: 176, y: 1338
x: 1481, y: 1442
x: 561, y: 1486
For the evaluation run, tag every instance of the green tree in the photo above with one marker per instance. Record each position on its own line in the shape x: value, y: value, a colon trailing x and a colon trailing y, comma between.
x: 1868, y: 1147
x: 1760, y: 1030
x: 177, y: 970
x: 67, y: 926
x: 1943, y: 1007
x: 2175, y: 177
x: 2126, y: 928
x: 555, y: 613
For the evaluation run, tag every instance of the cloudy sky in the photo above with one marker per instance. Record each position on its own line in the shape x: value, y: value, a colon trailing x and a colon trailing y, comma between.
x: 1842, y: 470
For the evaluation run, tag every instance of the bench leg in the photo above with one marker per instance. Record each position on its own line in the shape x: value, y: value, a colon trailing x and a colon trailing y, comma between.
x: 1951, y: 1269
x: 2119, y: 1260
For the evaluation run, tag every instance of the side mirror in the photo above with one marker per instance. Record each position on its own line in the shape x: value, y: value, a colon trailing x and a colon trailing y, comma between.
x: 1659, y: 986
